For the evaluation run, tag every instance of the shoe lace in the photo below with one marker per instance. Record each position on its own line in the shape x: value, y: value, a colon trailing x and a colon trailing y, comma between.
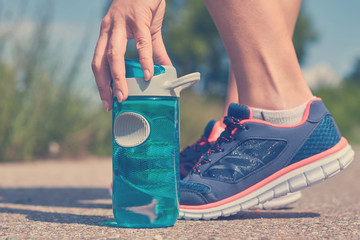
x: 227, y: 136
x: 196, y: 146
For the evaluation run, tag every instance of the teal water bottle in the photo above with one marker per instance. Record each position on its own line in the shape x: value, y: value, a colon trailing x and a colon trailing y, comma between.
x: 146, y: 148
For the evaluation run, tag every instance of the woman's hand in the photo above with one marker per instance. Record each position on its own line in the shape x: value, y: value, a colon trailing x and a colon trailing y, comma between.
x: 127, y: 19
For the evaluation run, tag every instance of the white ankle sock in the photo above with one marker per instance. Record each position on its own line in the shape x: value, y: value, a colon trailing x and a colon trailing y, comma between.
x: 281, y: 117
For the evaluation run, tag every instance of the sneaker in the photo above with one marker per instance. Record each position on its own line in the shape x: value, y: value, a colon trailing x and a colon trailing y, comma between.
x: 191, y: 154
x: 254, y: 161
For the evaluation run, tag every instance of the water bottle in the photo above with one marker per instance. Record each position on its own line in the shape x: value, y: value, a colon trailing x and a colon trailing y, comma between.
x: 146, y: 148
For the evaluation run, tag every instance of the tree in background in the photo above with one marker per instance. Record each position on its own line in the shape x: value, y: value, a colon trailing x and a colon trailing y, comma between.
x: 194, y: 44
x: 304, y: 34
x: 354, y: 76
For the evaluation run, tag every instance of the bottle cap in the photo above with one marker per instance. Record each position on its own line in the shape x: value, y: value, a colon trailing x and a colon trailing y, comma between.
x: 163, y: 83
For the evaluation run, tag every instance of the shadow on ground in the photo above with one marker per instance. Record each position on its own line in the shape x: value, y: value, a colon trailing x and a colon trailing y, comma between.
x: 56, y: 197
x: 87, y: 197
x: 55, y: 217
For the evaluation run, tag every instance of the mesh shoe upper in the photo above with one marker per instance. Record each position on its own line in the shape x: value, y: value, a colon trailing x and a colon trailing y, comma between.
x: 244, y: 159
x: 249, y: 151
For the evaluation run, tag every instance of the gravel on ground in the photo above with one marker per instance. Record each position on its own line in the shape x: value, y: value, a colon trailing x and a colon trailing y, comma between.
x: 69, y: 199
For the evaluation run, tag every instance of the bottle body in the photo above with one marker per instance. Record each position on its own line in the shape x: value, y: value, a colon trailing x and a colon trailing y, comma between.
x: 145, y: 172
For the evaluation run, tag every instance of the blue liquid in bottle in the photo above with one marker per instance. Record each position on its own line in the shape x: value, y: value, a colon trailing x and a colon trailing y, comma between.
x: 145, y: 177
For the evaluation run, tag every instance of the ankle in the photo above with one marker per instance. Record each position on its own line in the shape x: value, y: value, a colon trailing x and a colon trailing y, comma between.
x: 272, y: 100
x: 281, y: 117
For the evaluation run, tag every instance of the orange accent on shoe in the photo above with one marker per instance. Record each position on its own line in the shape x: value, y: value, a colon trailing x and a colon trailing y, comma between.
x: 215, y: 133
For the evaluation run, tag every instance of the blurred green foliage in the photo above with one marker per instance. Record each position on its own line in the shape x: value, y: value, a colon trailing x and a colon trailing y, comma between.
x: 195, y: 112
x: 42, y: 114
x: 304, y: 34
x: 343, y: 101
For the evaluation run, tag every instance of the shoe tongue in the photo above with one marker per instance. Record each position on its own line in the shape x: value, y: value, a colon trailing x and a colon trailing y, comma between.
x: 239, y: 111
x: 209, y: 127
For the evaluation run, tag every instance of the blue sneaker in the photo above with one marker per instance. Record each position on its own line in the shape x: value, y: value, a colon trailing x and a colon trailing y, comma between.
x: 254, y: 161
x: 191, y: 154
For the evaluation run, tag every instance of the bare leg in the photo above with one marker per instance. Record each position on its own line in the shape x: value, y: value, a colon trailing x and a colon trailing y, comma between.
x: 290, y: 10
x: 257, y: 36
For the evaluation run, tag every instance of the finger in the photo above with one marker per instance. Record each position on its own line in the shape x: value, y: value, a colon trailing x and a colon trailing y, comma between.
x: 99, y: 66
x: 115, y: 56
x: 160, y: 53
x: 143, y: 41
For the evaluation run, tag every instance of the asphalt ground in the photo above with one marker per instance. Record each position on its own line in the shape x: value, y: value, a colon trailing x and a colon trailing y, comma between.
x: 69, y: 199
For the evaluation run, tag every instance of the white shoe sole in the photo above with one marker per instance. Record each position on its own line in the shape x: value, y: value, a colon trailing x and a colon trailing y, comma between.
x: 278, y: 203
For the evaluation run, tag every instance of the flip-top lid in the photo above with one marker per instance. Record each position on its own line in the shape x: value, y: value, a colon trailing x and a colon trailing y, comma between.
x: 163, y: 83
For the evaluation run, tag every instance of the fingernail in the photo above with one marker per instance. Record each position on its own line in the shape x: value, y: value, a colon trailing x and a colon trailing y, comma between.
x: 147, y: 75
x: 106, y: 105
x: 119, y: 96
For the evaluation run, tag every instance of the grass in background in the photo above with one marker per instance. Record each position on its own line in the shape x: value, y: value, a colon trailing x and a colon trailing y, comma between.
x: 343, y: 103
x: 195, y: 112
x: 42, y: 115
x: 40, y: 118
